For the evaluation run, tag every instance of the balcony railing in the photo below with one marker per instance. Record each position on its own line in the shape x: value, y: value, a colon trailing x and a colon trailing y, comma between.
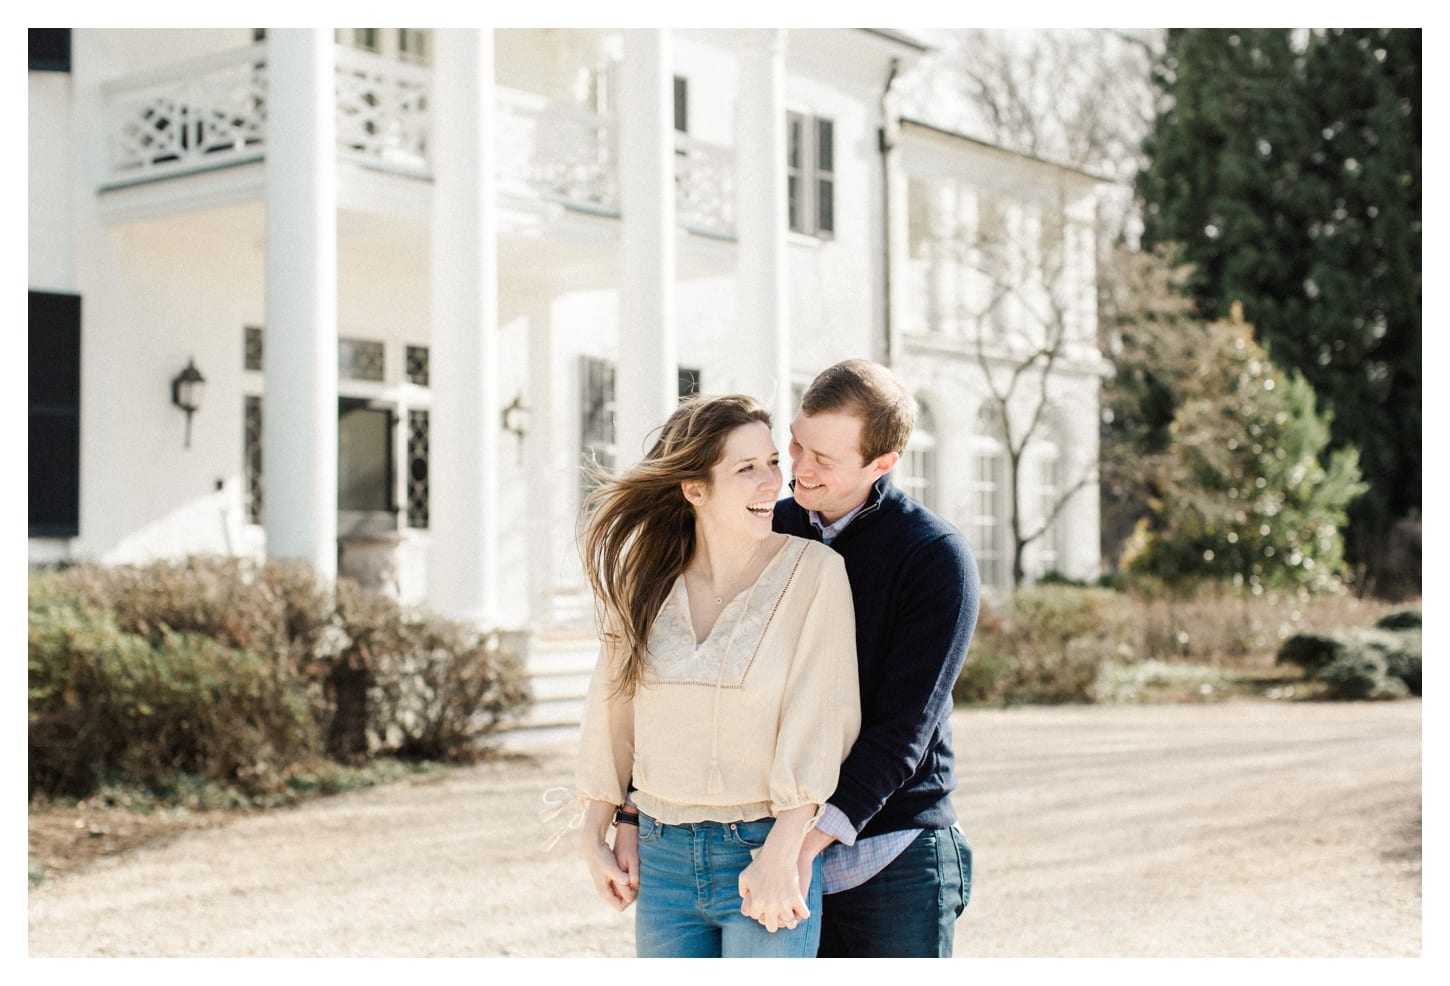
x: 211, y: 112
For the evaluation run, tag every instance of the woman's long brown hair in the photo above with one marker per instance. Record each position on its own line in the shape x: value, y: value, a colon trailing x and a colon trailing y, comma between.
x: 638, y: 530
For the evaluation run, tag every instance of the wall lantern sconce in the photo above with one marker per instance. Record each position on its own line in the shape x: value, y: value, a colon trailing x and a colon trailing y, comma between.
x: 516, y: 421
x: 187, y: 388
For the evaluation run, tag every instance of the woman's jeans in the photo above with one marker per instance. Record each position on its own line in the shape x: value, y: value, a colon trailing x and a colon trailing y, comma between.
x: 689, y: 894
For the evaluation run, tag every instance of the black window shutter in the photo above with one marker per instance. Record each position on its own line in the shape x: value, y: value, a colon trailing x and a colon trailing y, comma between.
x: 55, y: 420
x: 49, y: 49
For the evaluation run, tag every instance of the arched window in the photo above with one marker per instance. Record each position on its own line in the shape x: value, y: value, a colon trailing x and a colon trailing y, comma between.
x: 916, y: 473
x: 987, y: 522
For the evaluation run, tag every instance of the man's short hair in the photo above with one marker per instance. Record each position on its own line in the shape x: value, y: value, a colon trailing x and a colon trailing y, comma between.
x: 871, y: 392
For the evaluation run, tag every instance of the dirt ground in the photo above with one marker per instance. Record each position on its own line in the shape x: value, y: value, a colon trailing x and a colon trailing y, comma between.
x: 1248, y: 829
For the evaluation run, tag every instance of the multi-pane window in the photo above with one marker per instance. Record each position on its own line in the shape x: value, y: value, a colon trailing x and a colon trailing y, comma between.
x: 1050, y: 492
x: 415, y: 360
x: 988, y: 500
x: 55, y: 409
x: 916, y: 473
x: 810, y: 174
x: 360, y: 359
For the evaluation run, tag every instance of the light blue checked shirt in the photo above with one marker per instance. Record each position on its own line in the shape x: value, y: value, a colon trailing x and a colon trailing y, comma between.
x: 849, y: 862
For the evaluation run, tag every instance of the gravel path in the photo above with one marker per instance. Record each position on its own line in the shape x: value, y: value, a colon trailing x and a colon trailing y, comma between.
x: 1244, y: 829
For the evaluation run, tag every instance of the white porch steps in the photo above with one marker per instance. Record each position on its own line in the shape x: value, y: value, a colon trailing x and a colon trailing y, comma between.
x: 559, y: 669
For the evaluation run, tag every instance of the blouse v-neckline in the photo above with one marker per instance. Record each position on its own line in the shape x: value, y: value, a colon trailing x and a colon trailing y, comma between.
x: 681, y: 595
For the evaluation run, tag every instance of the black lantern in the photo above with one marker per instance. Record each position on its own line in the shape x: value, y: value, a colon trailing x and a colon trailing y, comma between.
x: 187, y: 388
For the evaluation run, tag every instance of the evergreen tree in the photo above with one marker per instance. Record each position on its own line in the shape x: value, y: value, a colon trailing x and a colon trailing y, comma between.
x: 1245, y: 490
x: 1288, y: 168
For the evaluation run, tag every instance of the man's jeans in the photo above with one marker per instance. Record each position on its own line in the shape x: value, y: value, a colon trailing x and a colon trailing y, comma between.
x: 909, y: 909
x: 689, y: 894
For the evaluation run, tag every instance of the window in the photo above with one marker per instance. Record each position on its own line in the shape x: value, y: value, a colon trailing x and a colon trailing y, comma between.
x: 369, y: 484
x: 596, y: 411
x: 916, y: 473
x: 682, y: 104
x: 55, y: 414
x: 366, y: 473
x: 252, y: 455
x: 810, y: 174
x: 1049, y: 491
x: 987, y: 520
x: 689, y: 382
x: 49, y: 49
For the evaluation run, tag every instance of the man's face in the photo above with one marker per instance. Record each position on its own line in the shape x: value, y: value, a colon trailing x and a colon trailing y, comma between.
x: 825, y: 454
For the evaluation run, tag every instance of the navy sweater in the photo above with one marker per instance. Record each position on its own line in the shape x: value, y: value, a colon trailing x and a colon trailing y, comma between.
x: 915, y: 589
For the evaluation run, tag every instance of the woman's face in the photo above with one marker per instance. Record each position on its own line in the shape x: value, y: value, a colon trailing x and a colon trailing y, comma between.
x: 744, y: 484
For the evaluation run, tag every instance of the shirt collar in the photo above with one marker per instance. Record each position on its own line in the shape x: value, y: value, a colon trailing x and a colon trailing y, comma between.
x: 829, y: 531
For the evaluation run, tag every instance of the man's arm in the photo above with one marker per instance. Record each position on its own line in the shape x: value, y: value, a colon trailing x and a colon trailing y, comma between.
x: 936, y: 613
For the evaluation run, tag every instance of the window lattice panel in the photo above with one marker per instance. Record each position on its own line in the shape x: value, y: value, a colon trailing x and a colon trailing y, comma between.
x: 418, y: 469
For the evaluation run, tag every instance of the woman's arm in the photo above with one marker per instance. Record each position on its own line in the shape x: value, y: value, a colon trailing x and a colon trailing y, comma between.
x: 771, y: 888
x: 614, y: 886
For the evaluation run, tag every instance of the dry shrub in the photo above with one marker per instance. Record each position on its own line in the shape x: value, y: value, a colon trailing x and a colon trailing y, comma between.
x: 238, y: 672
x: 1061, y: 643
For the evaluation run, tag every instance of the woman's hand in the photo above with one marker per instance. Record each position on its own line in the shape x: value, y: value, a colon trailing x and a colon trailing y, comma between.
x: 615, y: 886
x: 773, y: 887
x: 626, y: 853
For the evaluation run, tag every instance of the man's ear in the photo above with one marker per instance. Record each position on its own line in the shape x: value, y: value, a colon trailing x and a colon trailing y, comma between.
x: 885, y: 462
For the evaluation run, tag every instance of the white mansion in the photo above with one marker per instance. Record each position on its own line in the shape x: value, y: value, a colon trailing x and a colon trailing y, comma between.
x: 422, y: 273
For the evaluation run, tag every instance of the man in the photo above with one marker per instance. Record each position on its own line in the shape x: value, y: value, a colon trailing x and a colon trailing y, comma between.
x: 897, y: 869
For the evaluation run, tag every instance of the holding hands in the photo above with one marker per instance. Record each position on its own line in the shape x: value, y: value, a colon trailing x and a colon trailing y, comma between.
x: 615, y: 871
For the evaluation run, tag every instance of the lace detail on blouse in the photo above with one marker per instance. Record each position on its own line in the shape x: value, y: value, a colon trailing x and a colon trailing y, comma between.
x: 724, y: 657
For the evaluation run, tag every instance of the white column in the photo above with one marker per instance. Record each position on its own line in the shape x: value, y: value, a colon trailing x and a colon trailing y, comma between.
x: 761, y: 204
x: 464, y: 441
x: 299, y: 409
x: 647, y: 380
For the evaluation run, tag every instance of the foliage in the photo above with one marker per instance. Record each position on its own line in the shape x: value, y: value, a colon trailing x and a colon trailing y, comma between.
x: 1288, y: 168
x: 244, y: 674
x: 1359, y: 663
x: 1149, y: 641
x: 105, y: 702
x: 1240, y: 491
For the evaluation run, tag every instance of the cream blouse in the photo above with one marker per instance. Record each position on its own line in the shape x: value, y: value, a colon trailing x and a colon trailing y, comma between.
x: 754, y: 721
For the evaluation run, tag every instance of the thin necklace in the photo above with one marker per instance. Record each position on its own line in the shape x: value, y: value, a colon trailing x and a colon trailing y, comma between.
x: 748, y: 562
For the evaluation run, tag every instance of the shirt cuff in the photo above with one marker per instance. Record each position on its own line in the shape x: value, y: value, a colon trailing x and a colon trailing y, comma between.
x: 833, y: 822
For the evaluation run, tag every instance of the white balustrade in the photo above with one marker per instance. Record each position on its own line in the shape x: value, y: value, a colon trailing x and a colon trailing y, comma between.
x: 704, y: 187
x: 211, y: 112
x: 189, y: 116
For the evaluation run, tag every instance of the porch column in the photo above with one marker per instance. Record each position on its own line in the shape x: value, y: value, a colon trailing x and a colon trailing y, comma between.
x: 762, y: 227
x: 299, y: 404
x: 463, y: 462
x: 647, y: 380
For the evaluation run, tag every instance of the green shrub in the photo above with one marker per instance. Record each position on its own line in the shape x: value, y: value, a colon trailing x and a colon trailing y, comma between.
x: 1358, y: 663
x: 1400, y: 619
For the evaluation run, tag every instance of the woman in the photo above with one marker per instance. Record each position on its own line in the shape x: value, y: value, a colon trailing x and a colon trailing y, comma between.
x: 725, y: 697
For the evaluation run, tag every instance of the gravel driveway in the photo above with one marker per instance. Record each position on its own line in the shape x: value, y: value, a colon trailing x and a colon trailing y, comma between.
x: 1241, y: 829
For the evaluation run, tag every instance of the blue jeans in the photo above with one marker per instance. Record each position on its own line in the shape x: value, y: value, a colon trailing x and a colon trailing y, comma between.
x: 689, y: 895
x: 909, y: 909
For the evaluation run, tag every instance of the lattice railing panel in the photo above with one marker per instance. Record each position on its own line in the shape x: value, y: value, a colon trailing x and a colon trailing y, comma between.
x: 382, y: 111
x: 190, y: 116
x: 556, y: 149
x: 704, y: 187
